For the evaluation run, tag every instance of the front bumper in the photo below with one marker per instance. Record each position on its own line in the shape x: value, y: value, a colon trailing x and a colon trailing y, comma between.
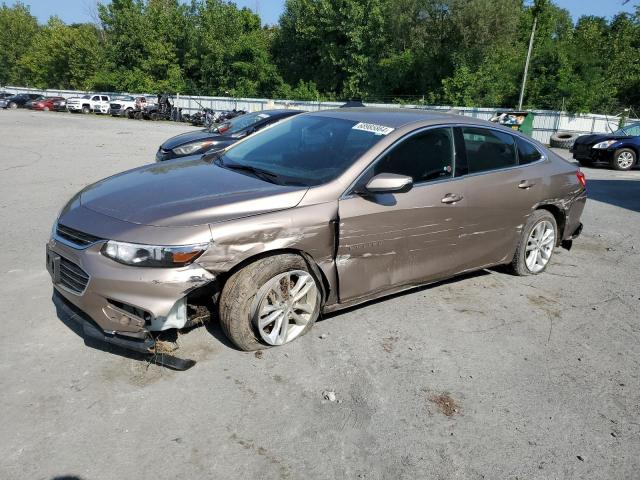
x: 594, y: 155
x: 123, y: 301
x: 74, y: 107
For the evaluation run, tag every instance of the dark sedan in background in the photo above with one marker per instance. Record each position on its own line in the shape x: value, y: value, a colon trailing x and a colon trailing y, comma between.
x: 20, y: 100
x: 220, y: 136
x: 619, y: 149
x: 47, y: 103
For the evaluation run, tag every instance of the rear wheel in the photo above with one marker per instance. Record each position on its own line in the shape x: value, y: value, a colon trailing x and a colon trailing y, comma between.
x: 46, y: 109
x: 536, y: 245
x: 623, y: 159
x: 13, y: 105
x: 270, y: 302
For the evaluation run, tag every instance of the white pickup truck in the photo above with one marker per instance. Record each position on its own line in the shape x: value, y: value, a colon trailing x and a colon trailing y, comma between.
x: 121, y: 105
x: 98, y: 103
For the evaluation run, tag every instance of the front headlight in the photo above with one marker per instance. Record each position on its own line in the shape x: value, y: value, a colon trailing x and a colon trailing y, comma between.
x: 605, y: 144
x: 190, y: 148
x: 152, y: 256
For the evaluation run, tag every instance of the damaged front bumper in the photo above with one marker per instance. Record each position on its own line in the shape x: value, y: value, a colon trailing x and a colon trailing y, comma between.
x: 124, y: 302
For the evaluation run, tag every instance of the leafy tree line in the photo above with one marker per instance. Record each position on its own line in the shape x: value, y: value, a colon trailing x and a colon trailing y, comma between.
x: 456, y: 52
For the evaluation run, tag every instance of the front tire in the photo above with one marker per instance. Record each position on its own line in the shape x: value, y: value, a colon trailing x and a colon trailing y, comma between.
x: 535, y: 249
x: 86, y: 109
x: 13, y: 105
x: 270, y: 302
x: 623, y: 159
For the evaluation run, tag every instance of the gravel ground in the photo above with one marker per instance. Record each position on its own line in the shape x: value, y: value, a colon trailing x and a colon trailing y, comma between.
x: 486, y: 376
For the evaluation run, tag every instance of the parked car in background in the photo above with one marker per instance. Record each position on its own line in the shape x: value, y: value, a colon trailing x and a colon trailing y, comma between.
x: 46, y: 103
x: 121, y: 105
x: 88, y: 103
x: 619, y: 149
x: 320, y: 212
x: 219, y: 137
x: 60, y: 105
x: 4, y: 99
x: 20, y: 100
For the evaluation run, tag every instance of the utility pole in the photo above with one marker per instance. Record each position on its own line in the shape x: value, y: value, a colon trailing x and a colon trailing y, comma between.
x: 526, y: 65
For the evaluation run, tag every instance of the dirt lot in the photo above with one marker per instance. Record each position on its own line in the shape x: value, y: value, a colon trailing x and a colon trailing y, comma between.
x: 487, y: 376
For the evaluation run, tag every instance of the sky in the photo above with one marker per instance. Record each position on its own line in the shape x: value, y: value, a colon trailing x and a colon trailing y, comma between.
x: 76, y: 11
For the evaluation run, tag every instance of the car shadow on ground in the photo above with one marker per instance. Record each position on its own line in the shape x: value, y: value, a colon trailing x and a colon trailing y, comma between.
x: 621, y: 193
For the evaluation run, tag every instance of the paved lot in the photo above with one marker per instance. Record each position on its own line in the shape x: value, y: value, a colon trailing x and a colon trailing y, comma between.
x: 544, y: 371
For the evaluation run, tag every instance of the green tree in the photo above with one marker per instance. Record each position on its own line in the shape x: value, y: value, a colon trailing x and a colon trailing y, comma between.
x: 62, y: 56
x: 17, y: 31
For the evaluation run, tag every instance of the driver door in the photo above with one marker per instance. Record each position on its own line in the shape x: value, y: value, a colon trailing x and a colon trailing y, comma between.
x: 395, y: 239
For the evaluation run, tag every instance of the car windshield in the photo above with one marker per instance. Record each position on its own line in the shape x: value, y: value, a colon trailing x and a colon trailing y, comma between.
x: 306, y: 150
x: 632, y: 129
x: 86, y: 96
x: 125, y: 98
x: 240, y: 123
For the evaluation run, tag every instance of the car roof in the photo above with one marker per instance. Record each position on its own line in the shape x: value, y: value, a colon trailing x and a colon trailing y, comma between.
x: 397, y: 117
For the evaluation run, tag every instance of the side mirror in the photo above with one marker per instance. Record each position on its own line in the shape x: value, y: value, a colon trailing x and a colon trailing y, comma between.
x: 389, y: 183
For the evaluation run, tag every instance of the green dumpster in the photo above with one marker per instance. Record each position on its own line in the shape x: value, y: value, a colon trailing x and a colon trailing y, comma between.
x: 517, y: 120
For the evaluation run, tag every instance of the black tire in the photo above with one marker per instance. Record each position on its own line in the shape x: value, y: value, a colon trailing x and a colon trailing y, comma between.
x: 86, y: 109
x: 518, y: 264
x: 563, y: 140
x: 13, y: 105
x: 618, y: 159
x: 236, y: 303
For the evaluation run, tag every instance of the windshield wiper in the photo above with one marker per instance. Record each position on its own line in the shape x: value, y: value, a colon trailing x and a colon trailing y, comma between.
x: 258, y: 172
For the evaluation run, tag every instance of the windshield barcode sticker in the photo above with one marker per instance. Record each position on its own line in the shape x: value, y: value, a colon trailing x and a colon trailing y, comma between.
x: 373, y: 128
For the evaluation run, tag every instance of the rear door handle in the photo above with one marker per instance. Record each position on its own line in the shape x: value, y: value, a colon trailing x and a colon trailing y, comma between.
x: 525, y: 184
x: 451, y: 198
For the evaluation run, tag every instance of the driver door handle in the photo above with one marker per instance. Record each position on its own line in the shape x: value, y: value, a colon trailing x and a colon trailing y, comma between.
x: 451, y: 198
x: 525, y: 184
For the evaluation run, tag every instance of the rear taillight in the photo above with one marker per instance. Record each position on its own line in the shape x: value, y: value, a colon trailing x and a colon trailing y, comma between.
x: 582, y: 179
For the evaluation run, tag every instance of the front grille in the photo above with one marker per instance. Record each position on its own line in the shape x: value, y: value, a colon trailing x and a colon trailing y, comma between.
x: 115, y: 106
x: 72, y: 276
x: 76, y: 237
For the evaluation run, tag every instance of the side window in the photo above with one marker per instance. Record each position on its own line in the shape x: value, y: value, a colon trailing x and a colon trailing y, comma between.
x: 104, y: 99
x: 425, y: 156
x: 96, y: 98
x: 488, y: 149
x: 527, y: 153
x: 632, y: 130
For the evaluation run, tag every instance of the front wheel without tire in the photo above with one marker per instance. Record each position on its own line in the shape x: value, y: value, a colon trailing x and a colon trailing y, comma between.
x: 624, y: 159
x: 536, y: 244
x: 270, y: 302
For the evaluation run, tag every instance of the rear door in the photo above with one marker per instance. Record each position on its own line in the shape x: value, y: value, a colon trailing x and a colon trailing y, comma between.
x: 500, y: 193
x: 390, y: 240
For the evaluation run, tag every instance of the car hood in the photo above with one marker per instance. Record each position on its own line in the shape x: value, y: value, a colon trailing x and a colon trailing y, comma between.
x: 189, y: 137
x: 597, y: 138
x: 186, y: 193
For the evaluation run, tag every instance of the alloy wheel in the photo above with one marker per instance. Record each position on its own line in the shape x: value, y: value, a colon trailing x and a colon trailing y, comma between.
x: 285, y: 305
x: 625, y: 160
x: 540, y: 246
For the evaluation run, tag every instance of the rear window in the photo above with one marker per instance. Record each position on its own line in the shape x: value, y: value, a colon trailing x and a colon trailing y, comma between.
x: 488, y: 149
x: 527, y: 153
